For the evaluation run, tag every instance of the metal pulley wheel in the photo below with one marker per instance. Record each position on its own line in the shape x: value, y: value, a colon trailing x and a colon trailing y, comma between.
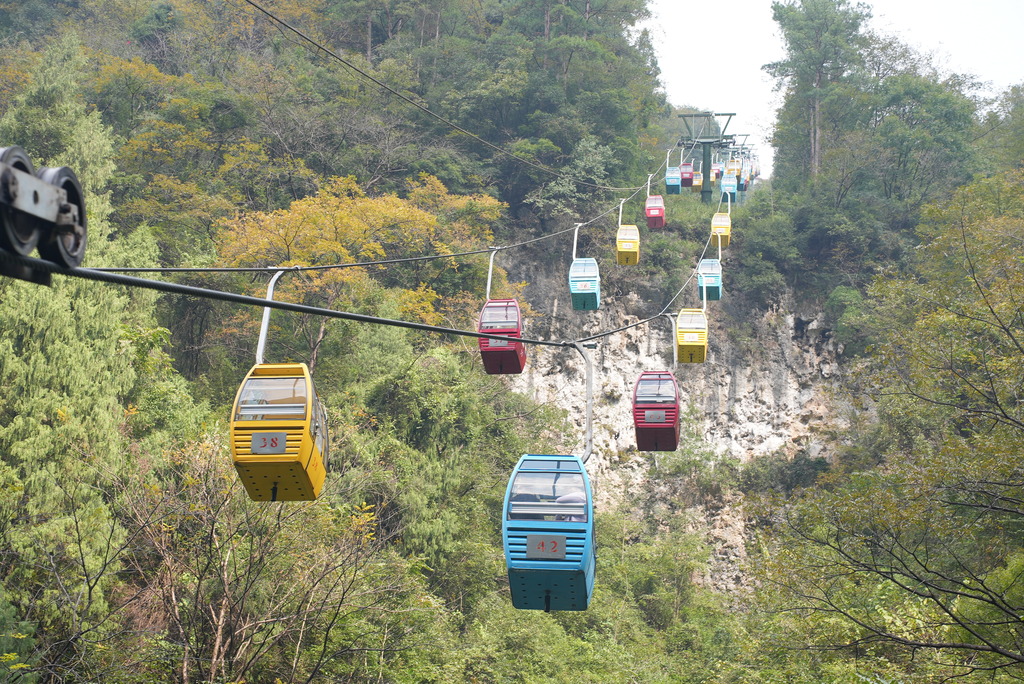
x: 66, y: 242
x: 19, y: 232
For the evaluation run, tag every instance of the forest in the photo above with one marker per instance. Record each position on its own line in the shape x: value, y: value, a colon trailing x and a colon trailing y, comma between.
x: 215, y: 135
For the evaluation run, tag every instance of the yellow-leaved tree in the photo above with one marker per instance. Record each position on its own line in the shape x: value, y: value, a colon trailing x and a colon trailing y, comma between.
x: 342, y: 226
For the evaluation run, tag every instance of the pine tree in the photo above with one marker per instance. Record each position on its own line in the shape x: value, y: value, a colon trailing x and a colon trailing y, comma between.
x: 66, y: 362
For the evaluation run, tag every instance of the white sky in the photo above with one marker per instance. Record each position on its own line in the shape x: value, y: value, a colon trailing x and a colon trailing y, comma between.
x: 981, y: 37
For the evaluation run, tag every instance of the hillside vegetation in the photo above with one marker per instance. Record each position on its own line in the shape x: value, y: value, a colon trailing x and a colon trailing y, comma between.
x: 208, y: 135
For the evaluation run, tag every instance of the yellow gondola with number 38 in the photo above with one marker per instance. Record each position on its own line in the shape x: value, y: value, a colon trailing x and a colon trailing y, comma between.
x: 279, y: 438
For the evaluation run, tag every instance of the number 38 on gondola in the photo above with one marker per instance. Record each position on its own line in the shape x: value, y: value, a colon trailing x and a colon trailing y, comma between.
x: 279, y: 435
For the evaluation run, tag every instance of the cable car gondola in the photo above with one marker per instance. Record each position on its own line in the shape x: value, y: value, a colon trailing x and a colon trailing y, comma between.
x: 656, y: 411
x: 627, y: 246
x: 691, y: 336
x: 548, y: 533
x: 673, y: 180
x: 585, y: 284
x: 721, y: 228
x: 698, y: 181
x: 729, y: 187
x: 501, y: 357
x: 686, y: 174
x: 717, y: 170
x: 279, y: 435
x: 709, y: 279
x: 654, y: 208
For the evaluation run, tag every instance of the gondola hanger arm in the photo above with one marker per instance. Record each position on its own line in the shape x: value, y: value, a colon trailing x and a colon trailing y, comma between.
x: 672, y: 336
x: 490, y: 271
x: 575, y: 239
x: 265, y: 325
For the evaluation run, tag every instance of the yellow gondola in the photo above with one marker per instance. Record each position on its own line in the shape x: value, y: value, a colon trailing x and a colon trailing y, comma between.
x: 691, y: 336
x: 279, y: 436
x: 698, y: 181
x: 721, y: 228
x: 627, y: 246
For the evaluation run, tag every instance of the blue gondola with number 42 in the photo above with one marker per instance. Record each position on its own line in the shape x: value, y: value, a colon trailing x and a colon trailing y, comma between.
x: 548, y: 533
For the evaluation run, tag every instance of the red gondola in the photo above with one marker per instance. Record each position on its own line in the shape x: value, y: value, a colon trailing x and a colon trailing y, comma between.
x: 686, y: 174
x: 501, y: 317
x: 655, y: 209
x: 656, y: 411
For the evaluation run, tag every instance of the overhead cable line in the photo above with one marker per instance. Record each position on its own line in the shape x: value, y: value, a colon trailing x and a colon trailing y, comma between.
x: 112, y: 275
x: 109, y: 275
x: 244, y: 299
x: 272, y: 269
x: 205, y: 293
x: 424, y: 109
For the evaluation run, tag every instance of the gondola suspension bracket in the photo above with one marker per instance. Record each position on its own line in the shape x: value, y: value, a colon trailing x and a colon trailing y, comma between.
x: 39, y: 208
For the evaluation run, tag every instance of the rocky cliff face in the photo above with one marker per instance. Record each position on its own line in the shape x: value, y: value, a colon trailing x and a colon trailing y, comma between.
x: 766, y: 387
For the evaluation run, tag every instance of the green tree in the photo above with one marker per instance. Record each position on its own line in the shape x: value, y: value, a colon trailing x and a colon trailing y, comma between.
x: 71, y: 358
x: 921, y: 554
x: 51, y: 120
x: 1002, y: 140
x: 32, y: 18
x: 246, y: 590
x: 823, y: 44
x: 453, y: 428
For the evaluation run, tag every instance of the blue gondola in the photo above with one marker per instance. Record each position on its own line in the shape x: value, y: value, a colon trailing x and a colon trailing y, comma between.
x: 709, y: 279
x: 729, y: 186
x: 673, y: 180
x: 548, y: 533
x: 585, y: 284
